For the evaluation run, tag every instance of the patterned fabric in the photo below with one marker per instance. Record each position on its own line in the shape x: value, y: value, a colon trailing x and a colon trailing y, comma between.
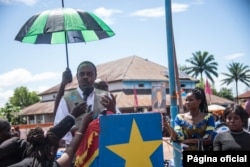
x: 87, y: 154
x: 51, y: 26
x: 88, y: 150
x: 185, y: 130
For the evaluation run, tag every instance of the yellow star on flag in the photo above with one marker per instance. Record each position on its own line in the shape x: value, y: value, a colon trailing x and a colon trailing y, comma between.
x: 137, y: 152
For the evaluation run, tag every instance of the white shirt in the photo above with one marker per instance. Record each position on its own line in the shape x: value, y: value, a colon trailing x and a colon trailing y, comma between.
x: 62, y: 111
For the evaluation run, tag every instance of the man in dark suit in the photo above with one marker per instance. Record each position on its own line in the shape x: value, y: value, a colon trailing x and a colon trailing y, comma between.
x: 159, y: 103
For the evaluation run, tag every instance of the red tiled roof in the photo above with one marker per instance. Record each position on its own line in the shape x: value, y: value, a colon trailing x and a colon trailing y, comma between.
x: 244, y: 95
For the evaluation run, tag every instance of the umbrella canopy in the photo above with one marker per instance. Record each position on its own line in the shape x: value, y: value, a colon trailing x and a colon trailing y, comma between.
x: 215, y: 107
x: 62, y: 26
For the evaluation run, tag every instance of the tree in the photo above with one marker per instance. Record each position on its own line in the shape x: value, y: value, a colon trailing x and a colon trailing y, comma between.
x: 182, y: 68
x: 23, y: 97
x: 226, y: 93
x: 238, y: 72
x: 10, y: 112
x: 202, y: 63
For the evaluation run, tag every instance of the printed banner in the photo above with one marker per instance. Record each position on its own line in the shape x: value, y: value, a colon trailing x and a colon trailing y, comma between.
x: 159, y: 97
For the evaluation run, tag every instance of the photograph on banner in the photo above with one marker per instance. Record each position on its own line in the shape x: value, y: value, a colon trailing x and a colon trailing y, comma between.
x: 159, y: 97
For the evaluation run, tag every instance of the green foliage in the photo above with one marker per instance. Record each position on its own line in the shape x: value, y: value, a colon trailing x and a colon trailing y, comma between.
x: 183, y: 68
x: 23, y: 98
x: 226, y: 93
x: 11, y: 112
x: 200, y: 84
x: 238, y: 72
x: 202, y: 63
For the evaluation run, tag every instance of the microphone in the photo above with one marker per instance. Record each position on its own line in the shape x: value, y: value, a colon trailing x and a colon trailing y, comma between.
x: 86, y: 92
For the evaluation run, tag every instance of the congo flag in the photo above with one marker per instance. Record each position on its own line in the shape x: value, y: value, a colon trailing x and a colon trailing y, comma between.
x: 131, y: 140
x: 87, y: 153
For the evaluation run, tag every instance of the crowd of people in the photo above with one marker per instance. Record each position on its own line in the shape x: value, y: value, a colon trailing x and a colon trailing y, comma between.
x: 75, y: 111
x: 199, y: 130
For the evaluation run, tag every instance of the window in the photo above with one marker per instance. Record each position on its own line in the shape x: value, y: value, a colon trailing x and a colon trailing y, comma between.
x: 140, y: 85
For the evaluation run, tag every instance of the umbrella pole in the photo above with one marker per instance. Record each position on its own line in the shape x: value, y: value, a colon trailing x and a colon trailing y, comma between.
x: 66, y: 47
x: 62, y: 4
x: 66, y: 42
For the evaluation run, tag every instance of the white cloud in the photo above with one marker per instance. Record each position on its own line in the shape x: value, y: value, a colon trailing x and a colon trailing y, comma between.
x: 25, y: 2
x: 234, y: 56
x: 19, y: 76
x: 4, y: 96
x: 12, y: 79
x: 28, y: 2
x: 178, y: 7
x: 106, y: 14
x: 44, y: 76
x: 160, y: 11
x: 153, y: 12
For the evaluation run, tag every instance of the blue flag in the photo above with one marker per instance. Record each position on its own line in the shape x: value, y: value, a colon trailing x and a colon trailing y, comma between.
x: 131, y: 140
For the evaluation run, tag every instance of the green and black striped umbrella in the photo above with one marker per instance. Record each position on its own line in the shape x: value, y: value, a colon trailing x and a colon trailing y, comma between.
x: 62, y: 26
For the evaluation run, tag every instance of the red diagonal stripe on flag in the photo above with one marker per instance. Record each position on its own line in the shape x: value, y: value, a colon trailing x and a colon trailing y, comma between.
x: 207, y: 88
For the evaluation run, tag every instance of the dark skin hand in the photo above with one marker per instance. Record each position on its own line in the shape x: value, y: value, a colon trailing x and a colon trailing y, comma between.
x: 66, y: 159
x: 66, y: 78
x: 109, y: 102
x: 79, y: 109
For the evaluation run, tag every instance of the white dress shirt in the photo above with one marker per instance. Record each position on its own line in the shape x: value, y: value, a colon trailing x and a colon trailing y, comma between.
x: 62, y: 111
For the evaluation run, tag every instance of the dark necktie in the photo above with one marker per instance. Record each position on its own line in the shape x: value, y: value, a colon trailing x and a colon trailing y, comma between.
x: 86, y: 92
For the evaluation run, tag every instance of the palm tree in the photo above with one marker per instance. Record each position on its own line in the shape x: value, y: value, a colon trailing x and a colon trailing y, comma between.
x: 237, y: 72
x: 202, y: 63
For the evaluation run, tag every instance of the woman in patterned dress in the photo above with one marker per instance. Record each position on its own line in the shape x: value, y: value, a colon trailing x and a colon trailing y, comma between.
x: 195, y: 128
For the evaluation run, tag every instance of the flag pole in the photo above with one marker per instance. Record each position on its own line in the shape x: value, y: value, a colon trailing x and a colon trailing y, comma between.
x: 177, y: 80
x: 172, y: 87
x: 135, y: 100
x: 208, y: 90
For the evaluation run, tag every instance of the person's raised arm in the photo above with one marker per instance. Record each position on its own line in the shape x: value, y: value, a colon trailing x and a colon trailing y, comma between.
x: 66, y: 159
x: 66, y: 78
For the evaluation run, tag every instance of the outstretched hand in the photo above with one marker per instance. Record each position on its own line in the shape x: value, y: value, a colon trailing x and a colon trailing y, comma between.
x: 87, y: 118
x: 109, y: 102
x: 79, y: 109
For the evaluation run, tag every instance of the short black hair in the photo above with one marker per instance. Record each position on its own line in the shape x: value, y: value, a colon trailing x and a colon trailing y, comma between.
x: 4, y: 125
x: 238, y: 110
x: 89, y: 63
